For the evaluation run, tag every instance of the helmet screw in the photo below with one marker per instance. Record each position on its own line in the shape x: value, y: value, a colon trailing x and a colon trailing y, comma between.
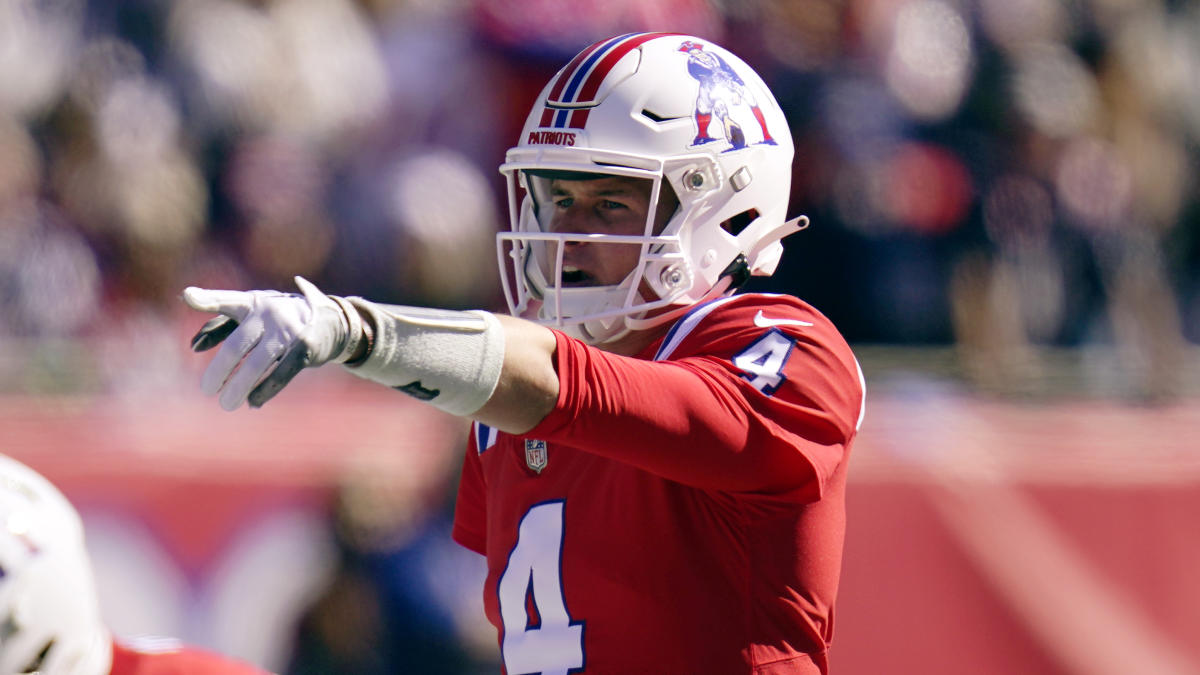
x: 672, y: 277
x: 695, y: 180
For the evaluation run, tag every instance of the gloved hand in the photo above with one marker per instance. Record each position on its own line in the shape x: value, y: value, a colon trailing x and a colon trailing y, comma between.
x: 269, y: 337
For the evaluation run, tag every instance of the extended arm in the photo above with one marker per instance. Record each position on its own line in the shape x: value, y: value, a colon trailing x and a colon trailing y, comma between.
x: 418, y: 350
x: 528, y: 385
x: 496, y: 369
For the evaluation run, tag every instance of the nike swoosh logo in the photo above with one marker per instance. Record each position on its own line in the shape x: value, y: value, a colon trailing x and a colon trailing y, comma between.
x: 763, y: 322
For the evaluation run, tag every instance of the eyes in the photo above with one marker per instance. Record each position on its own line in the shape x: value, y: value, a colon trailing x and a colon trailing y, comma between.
x: 565, y: 202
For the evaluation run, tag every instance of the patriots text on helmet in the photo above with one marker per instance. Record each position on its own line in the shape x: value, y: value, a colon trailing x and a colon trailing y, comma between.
x: 551, y: 138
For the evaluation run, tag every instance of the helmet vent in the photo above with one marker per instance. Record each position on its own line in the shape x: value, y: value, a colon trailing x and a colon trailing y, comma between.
x: 655, y: 117
x: 741, y: 221
x: 35, y: 666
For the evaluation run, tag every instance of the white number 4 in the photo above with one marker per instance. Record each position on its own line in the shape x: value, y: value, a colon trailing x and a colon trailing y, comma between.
x: 764, y: 359
x: 548, y: 642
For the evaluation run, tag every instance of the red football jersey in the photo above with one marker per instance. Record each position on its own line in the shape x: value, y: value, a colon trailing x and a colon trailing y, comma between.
x: 687, y: 516
x: 167, y: 656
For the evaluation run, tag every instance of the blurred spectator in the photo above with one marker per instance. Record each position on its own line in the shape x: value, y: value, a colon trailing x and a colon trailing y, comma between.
x: 404, y: 597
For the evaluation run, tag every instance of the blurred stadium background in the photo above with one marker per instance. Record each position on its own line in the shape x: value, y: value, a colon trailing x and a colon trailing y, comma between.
x: 1006, y: 225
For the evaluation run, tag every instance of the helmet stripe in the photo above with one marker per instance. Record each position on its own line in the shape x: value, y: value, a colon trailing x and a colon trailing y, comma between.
x: 581, y: 69
x: 563, y: 76
x: 603, y: 68
x: 579, y: 118
x: 582, y: 77
x: 606, y: 64
x: 566, y: 73
x: 580, y: 115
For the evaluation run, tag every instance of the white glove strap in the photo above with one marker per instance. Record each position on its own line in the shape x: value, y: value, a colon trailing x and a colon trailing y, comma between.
x: 450, y: 359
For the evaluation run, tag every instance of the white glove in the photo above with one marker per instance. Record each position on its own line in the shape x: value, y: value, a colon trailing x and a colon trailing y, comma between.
x: 269, y: 337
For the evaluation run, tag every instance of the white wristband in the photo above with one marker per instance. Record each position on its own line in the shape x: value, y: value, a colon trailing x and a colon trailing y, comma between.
x: 449, y: 358
x: 354, y: 330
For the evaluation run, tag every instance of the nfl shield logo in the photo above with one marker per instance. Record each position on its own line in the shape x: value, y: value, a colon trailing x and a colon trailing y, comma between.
x: 535, y: 455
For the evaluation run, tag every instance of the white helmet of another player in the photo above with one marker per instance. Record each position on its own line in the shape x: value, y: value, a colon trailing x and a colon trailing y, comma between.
x: 694, y: 120
x: 49, y: 612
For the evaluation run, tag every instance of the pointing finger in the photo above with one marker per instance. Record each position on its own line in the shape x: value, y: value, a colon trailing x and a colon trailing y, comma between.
x: 230, y: 303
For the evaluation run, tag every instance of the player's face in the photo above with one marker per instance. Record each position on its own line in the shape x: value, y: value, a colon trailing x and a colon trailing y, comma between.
x: 612, y: 205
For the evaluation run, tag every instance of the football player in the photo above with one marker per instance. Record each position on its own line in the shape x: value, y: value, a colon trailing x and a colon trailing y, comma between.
x: 50, y: 620
x: 658, y: 464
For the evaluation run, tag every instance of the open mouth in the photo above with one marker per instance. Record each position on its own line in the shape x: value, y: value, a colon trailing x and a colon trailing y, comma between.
x: 574, y: 277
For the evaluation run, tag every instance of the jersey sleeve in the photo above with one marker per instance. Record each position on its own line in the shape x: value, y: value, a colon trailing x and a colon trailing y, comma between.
x: 742, y: 403
x: 470, y: 513
x: 152, y: 655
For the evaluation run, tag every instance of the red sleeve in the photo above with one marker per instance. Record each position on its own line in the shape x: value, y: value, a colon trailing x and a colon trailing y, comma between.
x: 702, y: 420
x: 470, y: 513
x: 161, y: 656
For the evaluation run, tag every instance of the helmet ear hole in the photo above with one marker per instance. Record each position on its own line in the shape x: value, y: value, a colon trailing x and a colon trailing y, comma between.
x: 737, y: 223
x: 35, y: 666
x: 738, y: 272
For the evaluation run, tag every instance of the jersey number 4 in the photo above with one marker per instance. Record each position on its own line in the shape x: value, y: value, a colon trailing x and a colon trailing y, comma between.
x: 764, y: 359
x: 539, y: 636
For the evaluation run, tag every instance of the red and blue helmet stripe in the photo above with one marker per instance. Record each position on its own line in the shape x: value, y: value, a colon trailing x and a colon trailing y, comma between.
x: 577, y: 84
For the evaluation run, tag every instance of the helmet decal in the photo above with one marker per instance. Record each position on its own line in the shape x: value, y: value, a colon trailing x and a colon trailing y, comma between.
x: 722, y: 94
x: 578, y: 83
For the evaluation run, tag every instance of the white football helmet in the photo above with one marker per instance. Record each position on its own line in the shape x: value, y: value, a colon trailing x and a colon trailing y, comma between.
x: 681, y: 112
x: 50, y: 619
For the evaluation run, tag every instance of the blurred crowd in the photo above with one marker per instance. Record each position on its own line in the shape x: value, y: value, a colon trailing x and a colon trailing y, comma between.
x: 997, y: 175
x: 1005, y: 178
